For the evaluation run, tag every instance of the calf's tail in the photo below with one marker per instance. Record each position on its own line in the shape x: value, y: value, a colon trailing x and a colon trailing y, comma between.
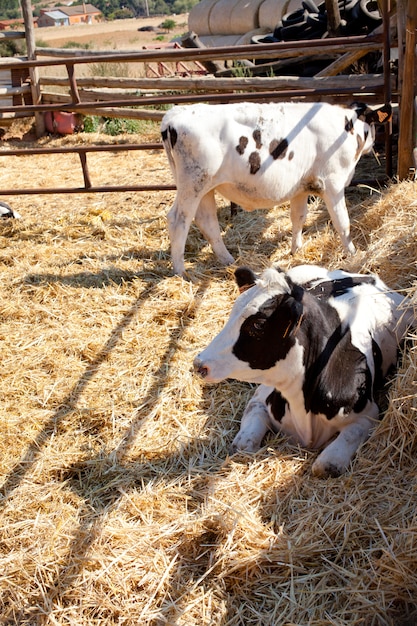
x: 169, y: 139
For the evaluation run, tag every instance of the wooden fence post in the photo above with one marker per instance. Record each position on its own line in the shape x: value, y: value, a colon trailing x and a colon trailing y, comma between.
x: 33, y: 72
x: 406, y: 140
x: 333, y: 17
x: 415, y: 133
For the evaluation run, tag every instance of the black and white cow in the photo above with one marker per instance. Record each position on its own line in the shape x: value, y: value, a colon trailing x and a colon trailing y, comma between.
x: 7, y: 211
x: 319, y: 343
x: 259, y: 156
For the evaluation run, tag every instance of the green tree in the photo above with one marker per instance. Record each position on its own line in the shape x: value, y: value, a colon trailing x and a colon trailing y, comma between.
x: 159, y: 7
x: 168, y: 25
x: 10, y: 48
x: 183, y: 6
x: 10, y: 9
x: 111, y: 9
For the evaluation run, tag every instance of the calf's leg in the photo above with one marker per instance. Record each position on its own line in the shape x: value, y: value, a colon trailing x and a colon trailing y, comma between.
x: 255, y: 422
x: 207, y: 221
x: 336, y: 205
x: 298, y: 211
x: 179, y: 222
x: 335, y: 458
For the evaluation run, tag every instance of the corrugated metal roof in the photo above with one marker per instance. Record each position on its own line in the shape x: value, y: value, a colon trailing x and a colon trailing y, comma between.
x: 56, y: 15
x: 79, y: 9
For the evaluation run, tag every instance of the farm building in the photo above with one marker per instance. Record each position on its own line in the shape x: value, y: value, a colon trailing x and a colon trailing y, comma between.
x: 67, y: 16
x: 15, y: 24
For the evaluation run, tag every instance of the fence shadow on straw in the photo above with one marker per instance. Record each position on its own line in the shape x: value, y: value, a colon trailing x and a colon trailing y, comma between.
x: 93, y: 479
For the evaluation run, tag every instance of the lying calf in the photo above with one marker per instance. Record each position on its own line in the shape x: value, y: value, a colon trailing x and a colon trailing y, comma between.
x: 319, y: 343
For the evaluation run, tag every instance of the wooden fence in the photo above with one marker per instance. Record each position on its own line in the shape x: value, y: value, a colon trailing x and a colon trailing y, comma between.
x: 134, y: 98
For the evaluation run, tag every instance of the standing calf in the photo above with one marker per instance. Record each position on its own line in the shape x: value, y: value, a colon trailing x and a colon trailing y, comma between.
x: 258, y: 156
x: 319, y: 344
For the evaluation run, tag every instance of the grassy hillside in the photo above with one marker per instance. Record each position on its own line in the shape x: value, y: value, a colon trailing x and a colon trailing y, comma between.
x: 111, y: 9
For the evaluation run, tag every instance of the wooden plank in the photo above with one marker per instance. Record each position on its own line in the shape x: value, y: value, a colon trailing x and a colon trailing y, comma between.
x: 208, y: 83
x: 261, y: 51
x: 405, y: 138
x: 286, y: 49
x: 11, y: 34
x: 333, y: 17
x: 343, y: 62
x: 33, y: 71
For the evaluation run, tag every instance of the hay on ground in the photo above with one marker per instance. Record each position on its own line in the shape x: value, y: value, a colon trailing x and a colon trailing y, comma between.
x: 120, y: 503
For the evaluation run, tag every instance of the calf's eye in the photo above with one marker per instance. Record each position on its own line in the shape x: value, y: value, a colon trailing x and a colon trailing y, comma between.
x: 255, y: 327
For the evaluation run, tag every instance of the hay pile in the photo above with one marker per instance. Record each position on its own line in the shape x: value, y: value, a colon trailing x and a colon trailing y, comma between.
x: 120, y: 504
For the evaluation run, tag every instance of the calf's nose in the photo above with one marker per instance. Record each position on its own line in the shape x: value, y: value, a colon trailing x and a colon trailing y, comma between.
x: 200, y: 368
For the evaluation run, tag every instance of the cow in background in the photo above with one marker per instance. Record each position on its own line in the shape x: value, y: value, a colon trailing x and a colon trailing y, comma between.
x: 261, y: 155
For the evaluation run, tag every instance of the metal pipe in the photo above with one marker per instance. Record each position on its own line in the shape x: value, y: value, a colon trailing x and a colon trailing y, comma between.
x: 110, y: 189
x: 86, y: 175
x: 80, y: 149
x: 387, y: 84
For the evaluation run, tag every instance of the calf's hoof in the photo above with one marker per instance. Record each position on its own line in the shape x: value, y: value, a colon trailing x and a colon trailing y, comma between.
x: 244, y: 444
x: 321, y: 469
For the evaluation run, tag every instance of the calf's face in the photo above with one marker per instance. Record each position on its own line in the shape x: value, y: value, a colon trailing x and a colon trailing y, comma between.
x: 259, y: 335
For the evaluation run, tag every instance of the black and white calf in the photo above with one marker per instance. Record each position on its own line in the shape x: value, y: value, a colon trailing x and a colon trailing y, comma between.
x: 7, y: 211
x: 259, y: 156
x: 319, y: 343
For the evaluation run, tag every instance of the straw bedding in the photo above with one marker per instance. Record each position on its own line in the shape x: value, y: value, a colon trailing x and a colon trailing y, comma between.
x: 120, y: 504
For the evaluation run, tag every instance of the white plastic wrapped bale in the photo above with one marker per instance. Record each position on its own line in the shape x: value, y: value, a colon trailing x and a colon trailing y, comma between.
x: 271, y: 12
x: 199, y: 16
x: 216, y: 41
x: 238, y: 17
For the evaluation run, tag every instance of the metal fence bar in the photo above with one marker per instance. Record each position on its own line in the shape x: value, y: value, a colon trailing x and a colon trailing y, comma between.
x: 78, y: 149
x: 109, y: 189
x: 82, y: 153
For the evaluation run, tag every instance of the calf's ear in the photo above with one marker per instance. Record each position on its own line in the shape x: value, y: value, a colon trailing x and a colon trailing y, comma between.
x: 360, y: 108
x: 245, y: 278
x: 372, y: 116
x: 379, y: 116
x: 291, y: 310
x: 295, y: 315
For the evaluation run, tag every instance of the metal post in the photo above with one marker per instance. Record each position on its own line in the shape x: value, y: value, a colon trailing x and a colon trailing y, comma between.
x: 86, y: 174
x: 386, y: 8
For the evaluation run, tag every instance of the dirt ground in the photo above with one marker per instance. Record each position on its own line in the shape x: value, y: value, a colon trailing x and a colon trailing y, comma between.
x: 116, y: 35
